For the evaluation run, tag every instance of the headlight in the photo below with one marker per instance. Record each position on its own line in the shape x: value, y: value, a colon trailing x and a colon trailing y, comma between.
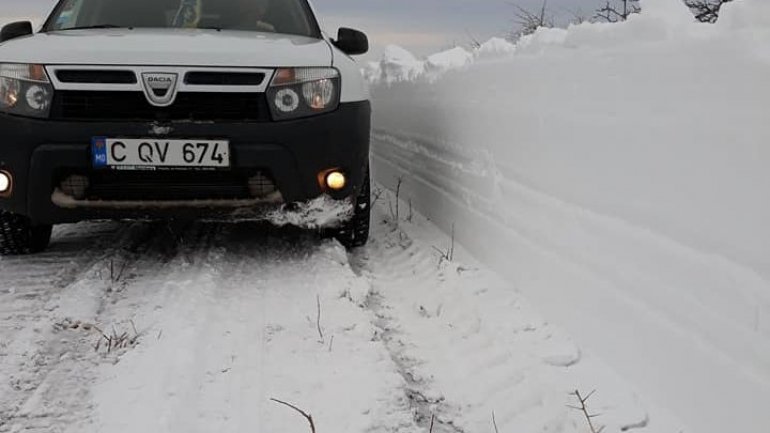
x: 302, y: 92
x: 25, y: 90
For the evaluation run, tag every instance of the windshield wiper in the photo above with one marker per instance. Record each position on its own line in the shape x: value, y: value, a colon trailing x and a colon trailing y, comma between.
x: 97, y: 26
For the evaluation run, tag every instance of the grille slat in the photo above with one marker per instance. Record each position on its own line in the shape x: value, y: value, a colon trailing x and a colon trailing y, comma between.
x: 173, y: 185
x: 96, y: 77
x: 127, y: 106
x: 224, y: 78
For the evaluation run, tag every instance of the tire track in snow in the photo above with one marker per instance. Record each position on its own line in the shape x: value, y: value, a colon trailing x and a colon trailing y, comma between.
x: 30, y: 285
x: 557, y: 249
x: 468, y: 345
x: 232, y: 325
x: 52, y: 362
x: 486, y: 372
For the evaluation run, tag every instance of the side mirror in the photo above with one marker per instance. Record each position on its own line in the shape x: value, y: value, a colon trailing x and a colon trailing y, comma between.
x: 352, y: 42
x: 15, y: 30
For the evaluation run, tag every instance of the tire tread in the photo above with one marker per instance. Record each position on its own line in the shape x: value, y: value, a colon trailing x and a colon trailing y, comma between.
x: 19, y: 237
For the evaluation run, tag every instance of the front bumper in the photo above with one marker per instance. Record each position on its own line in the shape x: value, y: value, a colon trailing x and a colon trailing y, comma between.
x: 37, y: 152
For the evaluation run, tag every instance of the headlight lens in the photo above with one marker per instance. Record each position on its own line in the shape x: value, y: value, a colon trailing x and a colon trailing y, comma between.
x: 303, y: 92
x: 25, y: 90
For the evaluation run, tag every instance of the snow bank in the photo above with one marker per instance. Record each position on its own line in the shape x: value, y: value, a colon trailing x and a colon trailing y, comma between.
x: 745, y: 14
x: 495, y: 47
x: 397, y: 64
x: 617, y: 174
x: 451, y: 59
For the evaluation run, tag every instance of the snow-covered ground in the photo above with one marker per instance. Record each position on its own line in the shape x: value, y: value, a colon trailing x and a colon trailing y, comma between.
x: 212, y: 321
x: 606, y: 189
x: 617, y: 176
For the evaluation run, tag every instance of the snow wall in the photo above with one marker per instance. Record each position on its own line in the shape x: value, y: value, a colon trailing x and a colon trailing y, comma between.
x: 619, y: 176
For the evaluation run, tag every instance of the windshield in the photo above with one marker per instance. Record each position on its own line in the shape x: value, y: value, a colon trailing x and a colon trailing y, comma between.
x: 274, y: 16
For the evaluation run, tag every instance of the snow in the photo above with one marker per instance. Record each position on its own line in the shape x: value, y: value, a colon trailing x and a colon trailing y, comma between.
x: 222, y: 318
x: 745, y: 15
x: 584, y: 210
x: 616, y: 174
x: 397, y: 64
x: 454, y: 58
x: 322, y: 212
x: 495, y: 47
x: 470, y: 346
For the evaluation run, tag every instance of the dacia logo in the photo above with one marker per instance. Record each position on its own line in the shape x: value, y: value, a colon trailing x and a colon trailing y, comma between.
x: 160, y: 79
x: 160, y: 88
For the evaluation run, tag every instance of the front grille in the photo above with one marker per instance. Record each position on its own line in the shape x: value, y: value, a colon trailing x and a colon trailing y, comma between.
x: 128, y: 106
x: 224, y: 78
x: 96, y: 77
x: 168, y: 185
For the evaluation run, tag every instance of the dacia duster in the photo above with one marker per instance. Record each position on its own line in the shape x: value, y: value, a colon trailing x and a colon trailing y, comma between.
x: 164, y: 109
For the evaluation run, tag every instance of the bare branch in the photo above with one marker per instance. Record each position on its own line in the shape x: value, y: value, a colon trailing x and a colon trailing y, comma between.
x: 612, y: 14
x: 529, y: 21
x: 706, y: 11
x: 448, y: 255
x: 318, y: 318
x: 584, y: 409
x: 307, y: 416
x: 376, y: 195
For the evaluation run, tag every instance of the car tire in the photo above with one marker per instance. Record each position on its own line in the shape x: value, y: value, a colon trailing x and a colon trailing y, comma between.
x: 355, y: 232
x: 18, y: 236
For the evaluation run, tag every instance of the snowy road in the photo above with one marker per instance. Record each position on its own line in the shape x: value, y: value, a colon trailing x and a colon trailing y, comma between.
x: 212, y: 321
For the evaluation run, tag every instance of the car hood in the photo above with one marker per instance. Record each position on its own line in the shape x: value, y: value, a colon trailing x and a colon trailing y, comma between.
x: 167, y: 47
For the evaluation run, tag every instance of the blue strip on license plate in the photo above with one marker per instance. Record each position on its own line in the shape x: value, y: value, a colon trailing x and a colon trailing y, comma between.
x: 99, y: 152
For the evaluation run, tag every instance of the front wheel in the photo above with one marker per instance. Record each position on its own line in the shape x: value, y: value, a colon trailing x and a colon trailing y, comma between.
x: 18, y: 236
x: 355, y: 232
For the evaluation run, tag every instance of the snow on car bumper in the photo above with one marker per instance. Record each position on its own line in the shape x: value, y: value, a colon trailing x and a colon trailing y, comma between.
x: 40, y: 153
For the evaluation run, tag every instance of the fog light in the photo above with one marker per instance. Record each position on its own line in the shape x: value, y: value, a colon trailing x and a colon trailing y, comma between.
x: 336, y: 181
x: 5, y: 183
x: 75, y: 186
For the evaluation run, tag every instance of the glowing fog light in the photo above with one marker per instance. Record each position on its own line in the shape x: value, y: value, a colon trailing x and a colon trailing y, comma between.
x: 336, y: 180
x: 5, y: 182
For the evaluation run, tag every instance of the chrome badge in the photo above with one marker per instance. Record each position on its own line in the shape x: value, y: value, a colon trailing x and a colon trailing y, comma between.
x: 160, y: 88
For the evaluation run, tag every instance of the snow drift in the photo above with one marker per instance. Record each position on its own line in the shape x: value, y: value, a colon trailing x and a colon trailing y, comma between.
x: 618, y: 175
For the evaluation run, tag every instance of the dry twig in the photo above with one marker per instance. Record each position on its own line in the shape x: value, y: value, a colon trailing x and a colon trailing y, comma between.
x: 411, y: 212
x: 706, y: 11
x: 584, y: 409
x: 528, y: 21
x: 116, y: 278
x: 448, y: 255
x: 115, y: 340
x: 396, y: 215
x: 307, y: 416
x: 318, y: 319
x: 611, y: 14
x: 376, y: 195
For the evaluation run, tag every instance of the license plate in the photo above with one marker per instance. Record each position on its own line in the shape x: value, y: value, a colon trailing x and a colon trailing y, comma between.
x: 151, y: 153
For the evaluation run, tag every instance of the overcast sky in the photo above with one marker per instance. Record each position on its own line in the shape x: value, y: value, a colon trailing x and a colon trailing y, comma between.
x: 423, y: 26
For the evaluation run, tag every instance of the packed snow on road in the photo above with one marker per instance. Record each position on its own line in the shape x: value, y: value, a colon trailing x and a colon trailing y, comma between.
x: 569, y: 234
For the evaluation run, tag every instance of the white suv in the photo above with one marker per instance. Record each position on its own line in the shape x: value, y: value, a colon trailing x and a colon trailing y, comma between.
x: 179, y: 109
